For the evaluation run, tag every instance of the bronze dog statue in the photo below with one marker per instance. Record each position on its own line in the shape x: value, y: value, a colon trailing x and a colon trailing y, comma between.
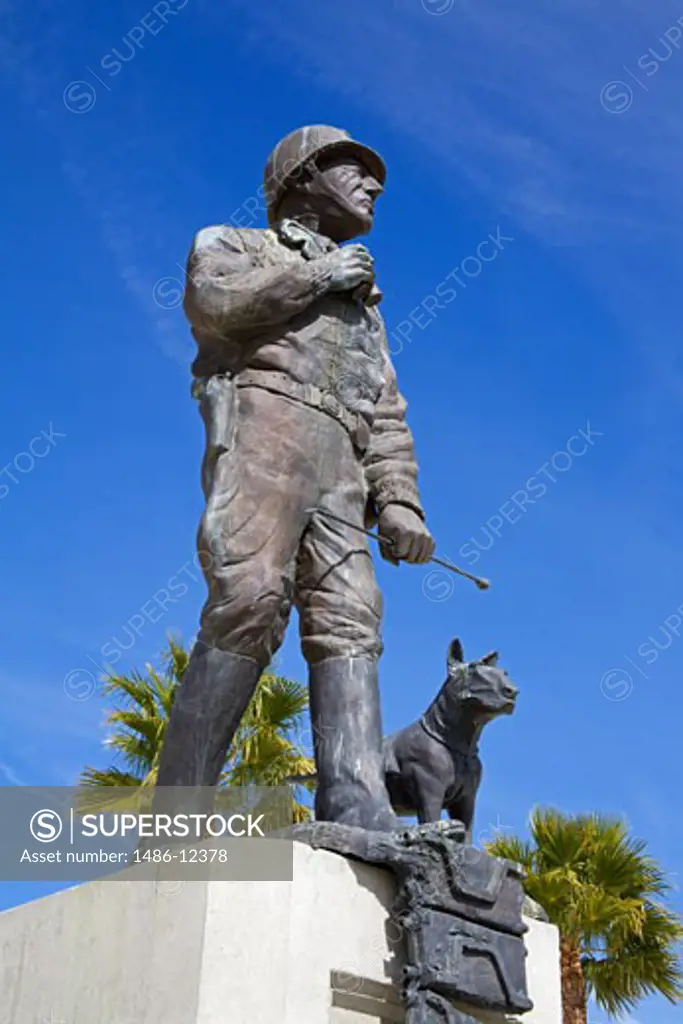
x: 434, y: 763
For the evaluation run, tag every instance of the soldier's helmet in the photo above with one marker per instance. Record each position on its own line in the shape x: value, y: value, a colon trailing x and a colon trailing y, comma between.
x: 304, y: 144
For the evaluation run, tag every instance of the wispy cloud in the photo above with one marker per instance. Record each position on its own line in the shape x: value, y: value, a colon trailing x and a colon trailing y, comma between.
x: 134, y: 236
x: 503, y: 103
x: 508, y: 100
x: 8, y: 773
x: 103, y: 171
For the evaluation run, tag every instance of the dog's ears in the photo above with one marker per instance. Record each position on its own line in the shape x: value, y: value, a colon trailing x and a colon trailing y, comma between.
x: 456, y: 655
x: 490, y: 659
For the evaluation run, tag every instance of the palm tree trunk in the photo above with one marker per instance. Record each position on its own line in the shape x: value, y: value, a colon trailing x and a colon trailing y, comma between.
x: 574, y: 993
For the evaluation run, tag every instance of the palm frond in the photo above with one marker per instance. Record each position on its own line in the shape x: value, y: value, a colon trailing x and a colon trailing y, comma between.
x: 598, y: 884
x: 266, y: 750
x: 512, y: 848
x: 642, y: 964
x: 103, y: 790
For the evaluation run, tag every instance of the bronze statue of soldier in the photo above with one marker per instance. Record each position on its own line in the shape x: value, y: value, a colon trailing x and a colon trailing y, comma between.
x: 302, y: 410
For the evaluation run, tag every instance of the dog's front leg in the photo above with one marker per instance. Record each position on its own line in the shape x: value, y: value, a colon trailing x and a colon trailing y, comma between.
x: 462, y: 809
x: 429, y: 794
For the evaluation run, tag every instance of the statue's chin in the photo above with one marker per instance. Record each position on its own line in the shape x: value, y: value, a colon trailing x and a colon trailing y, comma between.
x: 352, y: 222
x: 365, y: 222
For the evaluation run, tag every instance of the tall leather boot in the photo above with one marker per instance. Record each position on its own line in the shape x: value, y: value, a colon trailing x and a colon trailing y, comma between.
x: 347, y: 736
x: 213, y: 696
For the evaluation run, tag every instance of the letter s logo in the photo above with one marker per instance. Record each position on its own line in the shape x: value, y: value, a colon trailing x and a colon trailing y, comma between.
x: 46, y: 826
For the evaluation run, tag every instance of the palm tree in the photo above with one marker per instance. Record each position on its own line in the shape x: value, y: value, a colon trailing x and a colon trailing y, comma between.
x: 618, y: 941
x: 264, y: 752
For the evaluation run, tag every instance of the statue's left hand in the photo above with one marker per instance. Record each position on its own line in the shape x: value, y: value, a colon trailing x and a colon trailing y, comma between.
x: 411, y: 540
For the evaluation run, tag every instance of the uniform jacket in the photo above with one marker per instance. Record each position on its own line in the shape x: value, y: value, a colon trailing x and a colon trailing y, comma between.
x: 258, y: 300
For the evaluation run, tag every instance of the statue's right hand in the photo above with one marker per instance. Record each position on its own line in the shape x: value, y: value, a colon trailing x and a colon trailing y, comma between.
x: 350, y: 266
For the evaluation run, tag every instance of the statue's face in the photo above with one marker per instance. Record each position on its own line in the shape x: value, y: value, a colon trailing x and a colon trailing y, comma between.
x: 344, y: 193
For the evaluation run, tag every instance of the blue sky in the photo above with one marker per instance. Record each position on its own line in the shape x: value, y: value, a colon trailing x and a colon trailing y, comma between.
x: 548, y: 127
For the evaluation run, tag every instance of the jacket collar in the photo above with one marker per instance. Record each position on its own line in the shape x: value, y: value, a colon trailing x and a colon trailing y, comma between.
x: 296, y: 236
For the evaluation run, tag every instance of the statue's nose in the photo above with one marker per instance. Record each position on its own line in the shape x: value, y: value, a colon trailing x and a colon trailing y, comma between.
x: 373, y: 187
x: 510, y: 691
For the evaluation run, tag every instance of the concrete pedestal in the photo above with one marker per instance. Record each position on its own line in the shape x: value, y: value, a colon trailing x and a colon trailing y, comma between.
x: 320, y: 950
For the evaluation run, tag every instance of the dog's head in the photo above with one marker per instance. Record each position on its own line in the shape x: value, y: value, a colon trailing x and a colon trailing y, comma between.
x: 479, y: 685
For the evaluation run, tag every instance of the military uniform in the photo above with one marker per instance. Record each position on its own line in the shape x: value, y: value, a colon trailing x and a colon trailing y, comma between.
x: 301, y: 407
x: 302, y: 410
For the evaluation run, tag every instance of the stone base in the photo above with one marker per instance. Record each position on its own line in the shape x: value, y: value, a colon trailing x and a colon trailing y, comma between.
x: 320, y: 950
